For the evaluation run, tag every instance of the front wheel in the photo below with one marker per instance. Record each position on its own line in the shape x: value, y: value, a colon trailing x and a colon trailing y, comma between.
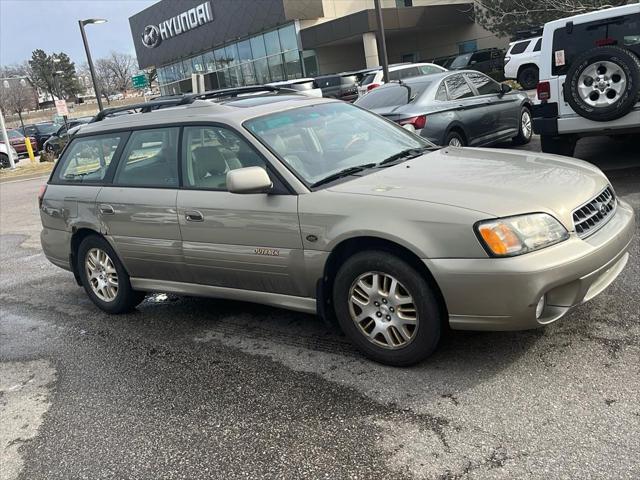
x: 387, y: 308
x: 104, y: 278
x: 525, y: 130
x: 4, y: 161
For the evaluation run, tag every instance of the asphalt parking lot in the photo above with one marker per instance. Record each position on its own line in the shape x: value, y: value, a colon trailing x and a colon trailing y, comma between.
x: 201, y: 388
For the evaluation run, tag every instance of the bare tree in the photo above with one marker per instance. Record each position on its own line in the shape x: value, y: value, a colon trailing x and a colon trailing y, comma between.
x: 506, y: 17
x: 105, y: 79
x: 17, y: 95
x: 122, y: 67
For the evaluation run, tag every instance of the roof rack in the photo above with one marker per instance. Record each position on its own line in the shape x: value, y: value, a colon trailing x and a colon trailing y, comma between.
x: 235, y: 91
x: 143, y: 107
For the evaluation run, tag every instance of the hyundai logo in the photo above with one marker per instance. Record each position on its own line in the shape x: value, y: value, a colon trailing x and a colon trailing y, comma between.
x: 151, y: 36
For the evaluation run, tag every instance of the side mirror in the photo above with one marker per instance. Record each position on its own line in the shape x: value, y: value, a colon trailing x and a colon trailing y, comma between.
x: 248, y: 180
x: 504, y: 88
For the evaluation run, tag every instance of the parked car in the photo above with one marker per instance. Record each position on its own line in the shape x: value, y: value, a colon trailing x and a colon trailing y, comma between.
x: 340, y: 86
x: 306, y: 86
x: 589, y: 78
x: 40, y: 131
x: 396, y: 73
x: 319, y: 206
x: 56, y: 142
x: 4, y: 156
x: 444, y: 61
x: 18, y: 142
x: 521, y: 62
x: 489, y: 61
x: 455, y: 108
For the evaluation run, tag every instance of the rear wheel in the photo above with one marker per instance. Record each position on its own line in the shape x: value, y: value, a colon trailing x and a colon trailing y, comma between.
x: 528, y: 77
x: 454, y: 139
x: 560, y: 144
x: 387, y: 309
x: 4, y: 161
x: 104, y: 278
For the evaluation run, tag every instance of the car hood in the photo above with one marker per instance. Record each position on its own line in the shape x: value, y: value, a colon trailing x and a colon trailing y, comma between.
x: 495, y: 182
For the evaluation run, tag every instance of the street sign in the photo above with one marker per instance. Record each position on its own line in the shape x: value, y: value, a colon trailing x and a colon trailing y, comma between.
x: 61, y: 108
x: 140, y: 81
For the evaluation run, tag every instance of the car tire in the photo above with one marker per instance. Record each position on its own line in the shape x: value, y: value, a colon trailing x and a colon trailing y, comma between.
x: 4, y: 161
x: 600, y: 76
x: 525, y: 129
x: 95, y: 251
x: 454, y: 139
x: 559, y: 145
x: 528, y: 77
x: 383, y: 329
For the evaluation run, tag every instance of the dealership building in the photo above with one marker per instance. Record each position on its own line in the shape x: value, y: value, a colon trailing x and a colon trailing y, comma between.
x: 248, y: 42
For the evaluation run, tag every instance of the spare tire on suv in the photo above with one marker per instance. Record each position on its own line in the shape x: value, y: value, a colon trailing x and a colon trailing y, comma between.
x: 603, y: 83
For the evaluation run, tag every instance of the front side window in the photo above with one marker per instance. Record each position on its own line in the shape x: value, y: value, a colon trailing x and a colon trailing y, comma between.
x: 88, y: 158
x: 318, y: 141
x: 460, y: 61
x: 209, y: 152
x: 484, y: 84
x: 458, y: 87
x: 429, y: 69
x: 150, y: 159
x: 480, y: 57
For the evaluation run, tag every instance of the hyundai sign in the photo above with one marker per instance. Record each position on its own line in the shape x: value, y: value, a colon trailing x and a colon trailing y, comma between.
x: 153, y: 35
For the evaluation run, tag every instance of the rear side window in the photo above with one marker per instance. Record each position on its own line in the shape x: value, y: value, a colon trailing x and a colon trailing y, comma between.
x: 483, y: 84
x: 622, y: 31
x: 520, y: 47
x: 538, y: 45
x: 150, y: 159
x: 87, y: 159
x: 409, y: 72
x: 458, y: 87
x: 441, y: 94
x: 210, y: 152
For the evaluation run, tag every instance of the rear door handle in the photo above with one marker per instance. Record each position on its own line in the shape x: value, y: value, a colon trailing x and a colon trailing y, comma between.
x: 193, y: 216
x: 106, y: 209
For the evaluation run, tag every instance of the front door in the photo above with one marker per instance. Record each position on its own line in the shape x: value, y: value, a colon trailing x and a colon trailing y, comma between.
x: 139, y: 208
x: 242, y: 241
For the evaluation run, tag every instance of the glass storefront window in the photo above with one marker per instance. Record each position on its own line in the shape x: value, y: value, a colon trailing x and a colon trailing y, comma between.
x: 187, y: 68
x: 292, y: 64
x: 288, y: 40
x: 222, y: 61
x: 244, y: 50
x: 261, y: 68
x: 272, y: 42
x: 257, y: 46
x: 209, y: 62
x: 275, y: 68
x: 310, y: 63
x: 231, y: 51
x: 224, y: 79
x: 197, y: 64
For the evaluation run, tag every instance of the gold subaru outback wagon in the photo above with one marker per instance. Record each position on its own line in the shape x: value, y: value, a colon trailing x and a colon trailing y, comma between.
x: 315, y: 205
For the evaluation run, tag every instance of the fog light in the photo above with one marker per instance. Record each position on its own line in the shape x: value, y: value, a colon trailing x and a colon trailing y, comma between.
x: 540, y: 307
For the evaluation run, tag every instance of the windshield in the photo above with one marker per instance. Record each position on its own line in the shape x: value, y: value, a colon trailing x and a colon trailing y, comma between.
x: 461, y: 61
x: 46, y: 128
x: 12, y: 134
x: 368, y: 79
x: 320, y: 140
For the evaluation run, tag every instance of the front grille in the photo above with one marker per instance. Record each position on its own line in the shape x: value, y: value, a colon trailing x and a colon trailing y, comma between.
x: 591, y: 217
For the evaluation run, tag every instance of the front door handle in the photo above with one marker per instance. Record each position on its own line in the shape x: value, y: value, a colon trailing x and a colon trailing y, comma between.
x: 193, y: 216
x: 106, y: 209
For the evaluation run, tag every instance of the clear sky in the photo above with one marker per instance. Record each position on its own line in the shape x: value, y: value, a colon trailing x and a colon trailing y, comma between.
x: 52, y: 25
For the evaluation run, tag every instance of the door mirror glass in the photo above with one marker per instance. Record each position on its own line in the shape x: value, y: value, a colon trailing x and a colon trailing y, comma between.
x: 248, y: 180
x: 504, y: 88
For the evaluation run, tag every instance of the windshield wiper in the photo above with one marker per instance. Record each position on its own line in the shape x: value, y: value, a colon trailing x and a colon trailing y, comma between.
x: 405, y: 154
x: 343, y: 173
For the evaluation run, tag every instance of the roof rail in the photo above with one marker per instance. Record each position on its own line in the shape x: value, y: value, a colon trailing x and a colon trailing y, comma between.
x: 235, y: 91
x: 143, y: 107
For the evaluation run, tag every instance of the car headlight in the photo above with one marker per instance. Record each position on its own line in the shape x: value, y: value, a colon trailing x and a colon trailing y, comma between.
x: 506, y: 237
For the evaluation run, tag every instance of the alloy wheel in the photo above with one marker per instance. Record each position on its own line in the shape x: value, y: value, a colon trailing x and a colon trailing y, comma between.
x: 102, y: 274
x: 383, y: 310
x: 601, y: 84
x: 525, y: 124
x: 455, y: 142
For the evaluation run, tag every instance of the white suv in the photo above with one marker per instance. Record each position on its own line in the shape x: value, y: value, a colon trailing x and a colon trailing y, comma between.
x: 589, y: 78
x: 397, y: 72
x: 521, y: 62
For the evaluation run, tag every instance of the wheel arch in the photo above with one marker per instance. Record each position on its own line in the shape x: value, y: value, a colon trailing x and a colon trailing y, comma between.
x: 457, y: 127
x: 77, y: 236
x: 525, y: 65
x: 349, y: 246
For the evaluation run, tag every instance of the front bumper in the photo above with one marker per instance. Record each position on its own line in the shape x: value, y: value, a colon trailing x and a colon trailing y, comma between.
x: 502, y: 293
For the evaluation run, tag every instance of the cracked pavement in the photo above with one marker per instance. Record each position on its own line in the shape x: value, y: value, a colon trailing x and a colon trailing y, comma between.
x: 201, y: 388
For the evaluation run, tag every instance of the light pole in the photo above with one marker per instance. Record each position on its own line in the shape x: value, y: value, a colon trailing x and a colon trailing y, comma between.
x: 383, y: 43
x: 82, y: 23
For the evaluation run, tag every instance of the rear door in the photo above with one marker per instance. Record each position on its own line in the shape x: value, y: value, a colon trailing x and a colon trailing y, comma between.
x: 472, y: 111
x: 241, y: 241
x: 138, y: 208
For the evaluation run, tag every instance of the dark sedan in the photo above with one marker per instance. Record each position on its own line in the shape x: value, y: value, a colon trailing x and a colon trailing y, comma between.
x: 40, y: 131
x: 455, y: 108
